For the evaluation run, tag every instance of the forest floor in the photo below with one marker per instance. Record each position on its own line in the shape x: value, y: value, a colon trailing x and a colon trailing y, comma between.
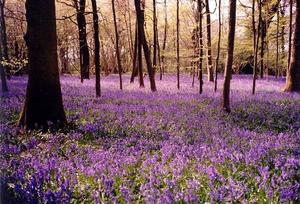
x: 164, y: 147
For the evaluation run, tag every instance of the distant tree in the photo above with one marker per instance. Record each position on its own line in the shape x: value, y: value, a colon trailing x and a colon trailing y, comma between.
x: 43, y: 103
x: 229, y: 61
x: 97, y: 48
x: 219, y: 46
x: 83, y: 45
x: 120, y: 70
x: 139, y: 6
x: 293, y: 78
x: 177, y: 44
x: 210, y: 74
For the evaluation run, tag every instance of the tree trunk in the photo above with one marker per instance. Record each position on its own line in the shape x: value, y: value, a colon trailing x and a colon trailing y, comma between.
x: 117, y: 44
x: 43, y: 103
x: 210, y: 74
x: 218, y: 52
x: 97, y: 48
x: 277, y: 42
x: 4, y: 37
x: 142, y: 40
x: 154, y: 36
x: 83, y: 46
x: 256, y: 41
x: 3, y: 76
x: 293, y: 82
x: 290, y: 35
x: 163, y: 58
x: 230, y: 49
x: 262, y: 47
x: 200, y: 38
x: 135, y: 53
x: 177, y: 44
x: 140, y: 65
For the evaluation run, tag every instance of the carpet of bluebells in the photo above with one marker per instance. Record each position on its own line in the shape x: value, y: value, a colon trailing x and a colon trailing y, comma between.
x: 172, y: 146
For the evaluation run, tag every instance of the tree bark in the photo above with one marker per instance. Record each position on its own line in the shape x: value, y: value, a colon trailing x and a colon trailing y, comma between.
x: 210, y: 74
x: 163, y: 58
x: 117, y: 44
x: 218, y: 52
x: 290, y: 35
x: 43, y: 103
x: 2, y: 75
x: 97, y: 48
x: 142, y: 40
x: 293, y: 82
x: 256, y: 41
x: 135, y: 53
x: 177, y: 45
x: 277, y: 42
x: 4, y: 37
x: 83, y: 46
x: 229, y: 61
x: 154, y: 36
x: 200, y: 38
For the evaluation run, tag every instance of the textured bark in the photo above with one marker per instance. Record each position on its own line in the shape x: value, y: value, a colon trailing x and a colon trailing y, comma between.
x: 43, y: 103
x: 4, y: 37
x: 229, y: 61
x: 139, y: 6
x: 177, y: 45
x: 83, y: 46
x: 97, y: 48
x: 219, y: 46
x: 293, y: 79
x: 210, y: 74
x: 262, y: 46
x: 200, y: 38
x: 120, y: 70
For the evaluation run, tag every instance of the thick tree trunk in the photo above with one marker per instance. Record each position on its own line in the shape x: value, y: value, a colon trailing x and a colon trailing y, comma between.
x: 43, y: 103
x: 83, y: 46
x: 210, y: 74
x: 97, y: 48
x: 293, y: 82
x: 229, y: 61
x: 218, y: 51
x: 200, y: 38
x: 120, y: 70
x: 4, y: 37
x: 142, y: 40
x: 177, y: 44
